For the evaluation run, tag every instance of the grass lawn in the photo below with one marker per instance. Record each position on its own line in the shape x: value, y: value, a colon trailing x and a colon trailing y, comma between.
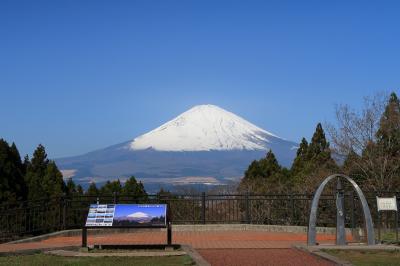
x: 44, y: 259
x: 367, y: 257
x: 389, y: 237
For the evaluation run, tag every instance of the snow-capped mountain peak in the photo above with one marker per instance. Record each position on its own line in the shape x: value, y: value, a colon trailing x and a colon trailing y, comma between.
x: 205, y: 128
x: 138, y: 215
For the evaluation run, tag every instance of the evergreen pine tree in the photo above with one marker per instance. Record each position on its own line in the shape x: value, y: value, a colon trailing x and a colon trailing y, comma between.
x: 42, y: 177
x: 52, y: 182
x: 133, y: 188
x: 253, y: 171
x: 18, y: 173
x: 300, y: 161
x: 302, y: 151
x: 269, y: 165
x: 6, y: 191
x: 263, y: 168
x: 388, y: 134
x: 313, y: 161
x: 15, y: 155
x: 79, y: 190
x: 70, y: 187
x: 141, y: 191
x: 162, y: 193
x: 39, y: 160
x: 35, y: 171
x: 25, y: 165
x: 111, y: 187
x: 318, y: 150
x: 92, y: 190
x: 12, y: 185
x: 265, y: 175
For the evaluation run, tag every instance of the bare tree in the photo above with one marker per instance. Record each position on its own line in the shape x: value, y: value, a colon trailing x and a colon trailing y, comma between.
x: 354, y: 129
x: 356, y: 132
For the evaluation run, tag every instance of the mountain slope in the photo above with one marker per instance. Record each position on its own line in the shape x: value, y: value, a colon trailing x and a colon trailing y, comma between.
x: 206, y: 144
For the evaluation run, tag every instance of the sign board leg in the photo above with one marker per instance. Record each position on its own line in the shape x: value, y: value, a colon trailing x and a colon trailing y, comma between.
x: 379, y: 226
x: 84, y: 237
x: 397, y: 227
x: 169, y: 234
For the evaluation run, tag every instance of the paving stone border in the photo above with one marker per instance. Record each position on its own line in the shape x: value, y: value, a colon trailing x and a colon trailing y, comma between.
x: 34, y: 251
x: 198, y: 259
x: 133, y: 253
x: 74, y: 251
x: 320, y: 254
x: 319, y: 250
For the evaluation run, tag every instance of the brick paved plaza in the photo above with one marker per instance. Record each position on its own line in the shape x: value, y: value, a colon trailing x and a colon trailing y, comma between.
x: 217, y: 247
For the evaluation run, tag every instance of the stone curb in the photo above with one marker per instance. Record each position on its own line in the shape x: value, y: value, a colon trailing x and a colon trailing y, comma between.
x: 318, y: 250
x: 200, y: 261
x: 320, y: 254
x: 72, y: 232
x: 73, y: 251
x: 35, y: 251
x: 360, y: 246
x: 69, y: 253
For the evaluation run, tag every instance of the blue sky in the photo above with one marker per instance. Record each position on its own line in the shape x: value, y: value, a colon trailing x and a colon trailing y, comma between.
x: 81, y: 75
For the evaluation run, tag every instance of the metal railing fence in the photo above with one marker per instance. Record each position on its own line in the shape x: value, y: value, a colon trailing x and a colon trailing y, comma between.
x: 28, y: 218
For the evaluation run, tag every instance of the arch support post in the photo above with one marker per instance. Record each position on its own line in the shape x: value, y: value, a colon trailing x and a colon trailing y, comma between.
x: 311, y: 237
x: 340, y: 226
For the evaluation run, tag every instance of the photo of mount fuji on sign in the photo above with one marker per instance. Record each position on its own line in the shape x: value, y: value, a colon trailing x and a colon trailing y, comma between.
x: 204, y: 145
x: 140, y: 215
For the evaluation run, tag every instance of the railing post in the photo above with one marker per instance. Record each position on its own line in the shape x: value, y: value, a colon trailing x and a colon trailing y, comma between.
x: 64, y: 212
x: 169, y: 225
x: 292, y: 208
x: 203, y: 207
x: 352, y: 211
x: 247, y: 202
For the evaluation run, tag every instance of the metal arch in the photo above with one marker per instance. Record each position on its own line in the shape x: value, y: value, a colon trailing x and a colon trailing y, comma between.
x: 314, y: 207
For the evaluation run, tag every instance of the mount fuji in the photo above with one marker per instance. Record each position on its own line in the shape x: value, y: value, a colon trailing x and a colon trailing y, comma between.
x: 204, y: 145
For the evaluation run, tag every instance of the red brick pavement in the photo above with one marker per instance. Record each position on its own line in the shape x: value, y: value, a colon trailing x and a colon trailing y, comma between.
x: 218, y: 247
x: 197, y: 239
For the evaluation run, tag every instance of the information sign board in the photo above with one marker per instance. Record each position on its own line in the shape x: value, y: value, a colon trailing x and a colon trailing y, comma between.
x: 127, y: 215
x: 386, y: 204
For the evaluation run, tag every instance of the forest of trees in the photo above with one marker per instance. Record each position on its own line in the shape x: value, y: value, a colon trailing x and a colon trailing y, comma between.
x: 39, y: 177
x: 366, y: 144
